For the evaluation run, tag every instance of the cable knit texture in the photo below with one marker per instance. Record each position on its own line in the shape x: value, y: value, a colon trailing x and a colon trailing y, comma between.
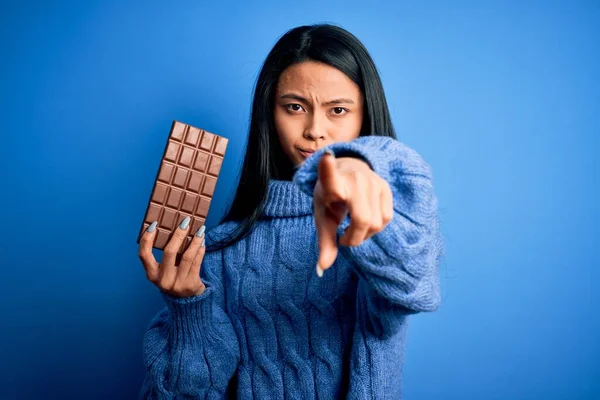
x: 267, y: 327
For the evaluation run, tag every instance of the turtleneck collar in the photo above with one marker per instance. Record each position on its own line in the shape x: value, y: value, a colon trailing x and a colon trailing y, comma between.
x: 285, y: 199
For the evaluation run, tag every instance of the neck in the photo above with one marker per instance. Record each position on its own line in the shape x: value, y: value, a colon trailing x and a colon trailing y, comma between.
x: 285, y: 199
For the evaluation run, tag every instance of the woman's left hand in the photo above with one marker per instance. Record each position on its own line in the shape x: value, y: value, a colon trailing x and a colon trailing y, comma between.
x: 348, y: 185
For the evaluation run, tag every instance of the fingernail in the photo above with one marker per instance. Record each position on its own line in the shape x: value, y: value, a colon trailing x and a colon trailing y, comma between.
x: 319, y: 271
x: 152, y: 227
x: 184, y: 224
x: 329, y: 151
x: 202, y: 244
x: 200, y: 231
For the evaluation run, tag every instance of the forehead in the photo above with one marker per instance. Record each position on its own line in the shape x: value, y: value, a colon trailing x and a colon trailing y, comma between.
x: 316, y: 78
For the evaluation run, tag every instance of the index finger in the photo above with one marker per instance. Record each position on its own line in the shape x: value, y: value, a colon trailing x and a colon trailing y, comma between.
x: 326, y: 224
x: 330, y: 179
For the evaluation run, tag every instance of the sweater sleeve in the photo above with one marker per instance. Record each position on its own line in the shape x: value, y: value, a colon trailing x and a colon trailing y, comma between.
x: 398, y: 266
x: 190, y: 347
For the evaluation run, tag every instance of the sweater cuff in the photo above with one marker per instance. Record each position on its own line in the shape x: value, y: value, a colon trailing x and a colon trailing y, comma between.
x: 190, y: 315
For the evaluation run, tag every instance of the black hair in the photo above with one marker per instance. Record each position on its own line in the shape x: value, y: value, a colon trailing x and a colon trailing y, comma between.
x: 265, y: 159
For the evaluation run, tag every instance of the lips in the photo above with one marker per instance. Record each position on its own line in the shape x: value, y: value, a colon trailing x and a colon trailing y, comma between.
x: 305, y: 153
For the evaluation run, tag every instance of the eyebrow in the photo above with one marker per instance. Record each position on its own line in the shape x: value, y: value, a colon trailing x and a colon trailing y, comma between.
x: 330, y: 102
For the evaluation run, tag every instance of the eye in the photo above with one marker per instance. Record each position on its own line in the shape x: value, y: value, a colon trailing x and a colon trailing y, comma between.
x: 294, y: 107
x: 339, y: 110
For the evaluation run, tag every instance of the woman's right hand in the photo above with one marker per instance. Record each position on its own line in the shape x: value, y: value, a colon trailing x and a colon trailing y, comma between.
x: 176, y: 275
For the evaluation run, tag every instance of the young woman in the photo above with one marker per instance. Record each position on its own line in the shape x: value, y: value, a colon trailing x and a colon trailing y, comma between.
x: 332, y: 241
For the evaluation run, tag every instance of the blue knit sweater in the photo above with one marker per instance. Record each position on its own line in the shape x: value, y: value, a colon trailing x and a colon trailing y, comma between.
x: 267, y: 327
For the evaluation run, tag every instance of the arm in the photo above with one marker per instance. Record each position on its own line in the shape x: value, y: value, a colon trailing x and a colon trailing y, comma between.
x: 190, y: 347
x: 398, y: 266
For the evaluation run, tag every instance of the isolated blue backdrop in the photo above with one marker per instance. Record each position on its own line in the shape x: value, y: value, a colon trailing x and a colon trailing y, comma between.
x: 502, y: 100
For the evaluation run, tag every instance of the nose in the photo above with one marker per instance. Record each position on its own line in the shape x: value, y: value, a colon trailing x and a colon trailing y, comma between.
x: 309, y: 136
x: 314, y: 130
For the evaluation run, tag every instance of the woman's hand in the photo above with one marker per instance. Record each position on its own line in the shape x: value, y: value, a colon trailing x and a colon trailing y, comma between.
x: 176, y: 275
x: 348, y: 185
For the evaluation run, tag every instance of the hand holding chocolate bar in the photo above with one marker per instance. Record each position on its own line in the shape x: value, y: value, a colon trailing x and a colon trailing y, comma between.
x: 185, y: 182
x: 175, y: 275
x: 178, y: 207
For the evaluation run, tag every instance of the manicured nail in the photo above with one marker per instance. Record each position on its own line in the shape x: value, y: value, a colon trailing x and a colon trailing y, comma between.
x: 319, y: 271
x: 200, y: 231
x: 329, y: 151
x: 184, y: 224
x: 202, y: 244
x: 152, y: 227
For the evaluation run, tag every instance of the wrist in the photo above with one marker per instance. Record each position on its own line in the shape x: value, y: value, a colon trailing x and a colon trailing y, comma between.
x: 185, y: 294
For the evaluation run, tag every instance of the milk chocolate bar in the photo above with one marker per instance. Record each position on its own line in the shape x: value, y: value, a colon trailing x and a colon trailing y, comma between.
x: 185, y: 182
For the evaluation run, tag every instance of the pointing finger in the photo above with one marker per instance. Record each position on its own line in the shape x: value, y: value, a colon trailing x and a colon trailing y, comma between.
x: 326, y: 233
x: 330, y: 179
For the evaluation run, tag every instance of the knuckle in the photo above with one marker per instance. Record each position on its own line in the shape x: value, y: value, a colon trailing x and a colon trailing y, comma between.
x: 354, y: 173
x: 177, y: 287
x: 171, y: 249
x: 361, y: 221
x: 188, y: 257
x: 143, y: 253
x: 165, y: 284
x: 152, y: 277
x: 196, y: 284
x: 387, y: 218
x: 178, y: 235
x: 354, y: 241
x: 145, y: 240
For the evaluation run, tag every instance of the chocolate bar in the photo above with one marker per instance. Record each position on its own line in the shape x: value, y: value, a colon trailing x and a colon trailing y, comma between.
x: 185, y: 182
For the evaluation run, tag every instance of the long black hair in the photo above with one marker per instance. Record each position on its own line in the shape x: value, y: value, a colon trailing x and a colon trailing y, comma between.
x: 265, y: 159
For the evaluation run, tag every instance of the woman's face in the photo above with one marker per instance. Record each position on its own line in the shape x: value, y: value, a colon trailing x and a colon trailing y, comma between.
x: 315, y: 105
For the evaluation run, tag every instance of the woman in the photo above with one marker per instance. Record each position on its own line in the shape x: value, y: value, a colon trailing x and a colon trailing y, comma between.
x: 325, y: 183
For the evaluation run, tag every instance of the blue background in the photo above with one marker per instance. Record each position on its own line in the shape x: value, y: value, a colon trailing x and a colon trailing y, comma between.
x: 502, y: 99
